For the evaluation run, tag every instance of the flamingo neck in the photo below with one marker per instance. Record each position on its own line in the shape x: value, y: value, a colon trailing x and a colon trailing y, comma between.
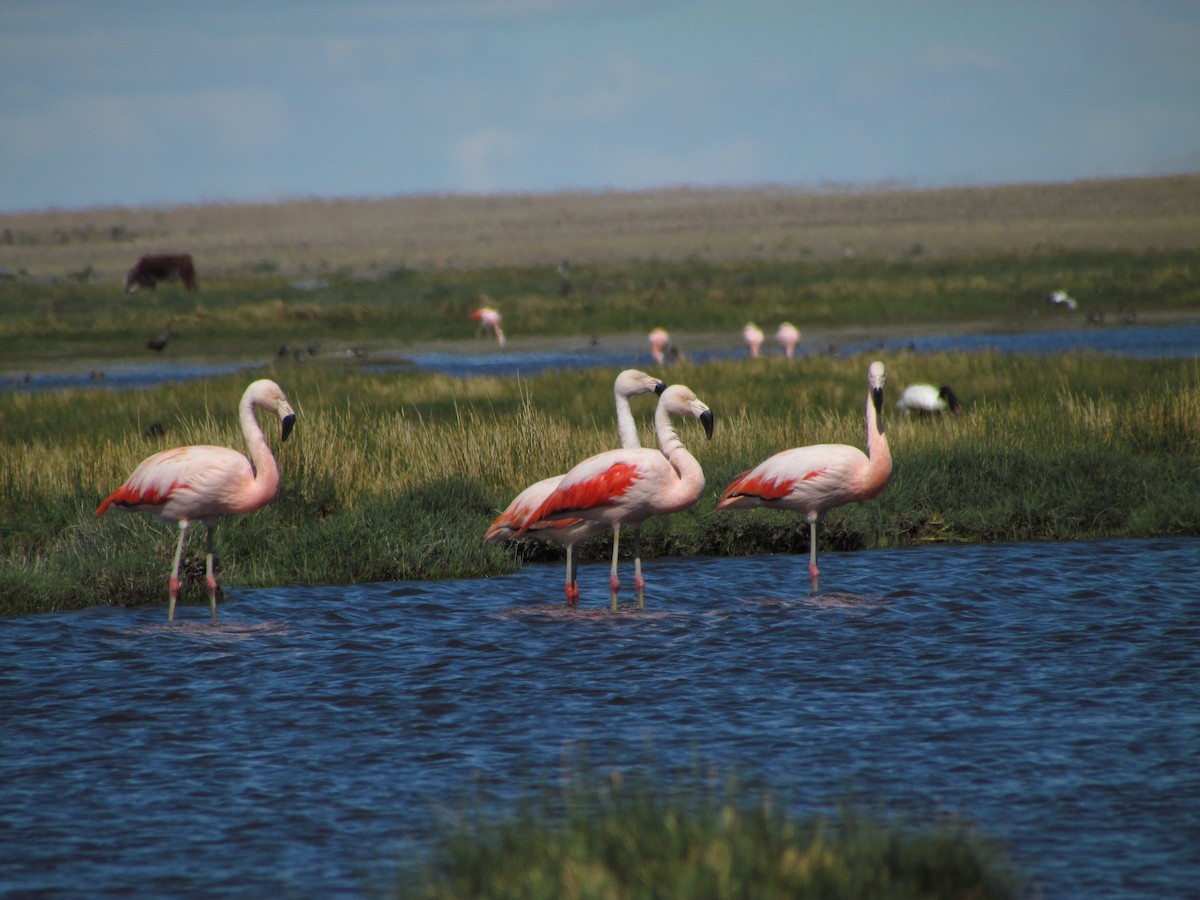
x: 626, y: 427
x: 879, y: 455
x: 691, y: 476
x: 266, y: 471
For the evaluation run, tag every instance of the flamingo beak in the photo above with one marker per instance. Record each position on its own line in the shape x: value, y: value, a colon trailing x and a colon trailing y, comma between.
x: 877, y: 399
x: 659, y: 388
x: 706, y: 419
x: 288, y: 422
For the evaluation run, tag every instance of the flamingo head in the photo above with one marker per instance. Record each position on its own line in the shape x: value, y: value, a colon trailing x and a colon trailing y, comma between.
x: 876, y: 379
x: 680, y: 400
x: 632, y: 382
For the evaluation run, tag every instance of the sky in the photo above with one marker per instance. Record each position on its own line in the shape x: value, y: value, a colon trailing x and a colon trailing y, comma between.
x: 160, y: 102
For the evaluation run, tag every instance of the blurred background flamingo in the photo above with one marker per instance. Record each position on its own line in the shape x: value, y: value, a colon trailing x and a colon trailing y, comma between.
x: 788, y: 336
x: 569, y: 531
x: 811, y: 480
x: 753, y: 336
x: 658, y: 344
x: 489, y: 319
x: 205, y: 482
x: 627, y: 487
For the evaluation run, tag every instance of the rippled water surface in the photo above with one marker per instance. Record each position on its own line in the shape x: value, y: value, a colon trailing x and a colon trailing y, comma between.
x: 1050, y: 692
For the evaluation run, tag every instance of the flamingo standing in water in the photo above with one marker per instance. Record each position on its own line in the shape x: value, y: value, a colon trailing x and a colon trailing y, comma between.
x: 489, y: 318
x: 569, y: 531
x: 753, y: 337
x: 811, y: 480
x: 629, y: 486
x: 925, y: 398
x: 658, y: 344
x: 788, y: 337
x: 206, y: 483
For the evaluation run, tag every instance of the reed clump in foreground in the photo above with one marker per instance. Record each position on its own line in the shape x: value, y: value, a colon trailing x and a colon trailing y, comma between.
x: 614, y: 838
x: 395, y: 476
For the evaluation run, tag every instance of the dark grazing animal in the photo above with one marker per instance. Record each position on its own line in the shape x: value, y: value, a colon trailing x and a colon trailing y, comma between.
x: 153, y: 268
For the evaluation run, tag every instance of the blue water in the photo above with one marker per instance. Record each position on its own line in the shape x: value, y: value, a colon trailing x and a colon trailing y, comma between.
x: 1050, y: 692
x: 1174, y: 342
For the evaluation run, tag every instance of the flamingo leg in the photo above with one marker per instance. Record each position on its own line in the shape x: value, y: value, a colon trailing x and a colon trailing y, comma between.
x: 638, y: 581
x: 614, y: 583
x: 174, y: 582
x: 572, y: 589
x: 813, y: 572
x: 210, y: 578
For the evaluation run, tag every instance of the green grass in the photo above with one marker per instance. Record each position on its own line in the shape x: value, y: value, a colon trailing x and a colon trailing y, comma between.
x: 396, y: 476
x: 249, y: 317
x: 613, y: 838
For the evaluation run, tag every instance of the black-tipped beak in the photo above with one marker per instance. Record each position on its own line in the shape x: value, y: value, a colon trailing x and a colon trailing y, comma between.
x: 877, y: 399
x: 660, y: 387
x: 706, y: 419
x: 289, y: 422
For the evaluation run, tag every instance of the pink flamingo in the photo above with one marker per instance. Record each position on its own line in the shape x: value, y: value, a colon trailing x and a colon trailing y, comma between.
x: 489, y: 318
x: 658, y: 344
x: 788, y: 336
x: 811, y: 480
x: 570, y: 531
x: 205, y: 483
x: 629, y: 486
x: 753, y: 337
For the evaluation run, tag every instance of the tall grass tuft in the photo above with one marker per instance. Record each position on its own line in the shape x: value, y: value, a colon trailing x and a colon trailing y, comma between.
x: 627, y: 838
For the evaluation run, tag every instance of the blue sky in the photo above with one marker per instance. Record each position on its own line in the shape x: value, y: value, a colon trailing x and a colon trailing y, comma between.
x: 154, y: 102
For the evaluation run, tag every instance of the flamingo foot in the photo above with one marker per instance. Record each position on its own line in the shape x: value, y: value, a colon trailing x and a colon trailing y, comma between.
x: 640, y: 584
x: 572, y: 591
x: 174, y: 587
x: 614, y: 585
x: 814, y: 573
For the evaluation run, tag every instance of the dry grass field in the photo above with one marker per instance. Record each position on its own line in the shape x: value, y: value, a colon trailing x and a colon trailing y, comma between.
x: 365, y: 236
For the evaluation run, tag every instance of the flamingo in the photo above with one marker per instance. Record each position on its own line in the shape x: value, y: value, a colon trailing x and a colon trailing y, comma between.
x: 629, y: 486
x: 658, y: 344
x: 788, y: 336
x: 753, y: 337
x: 811, y: 480
x: 206, y: 483
x: 925, y: 398
x: 489, y: 318
x: 570, y: 531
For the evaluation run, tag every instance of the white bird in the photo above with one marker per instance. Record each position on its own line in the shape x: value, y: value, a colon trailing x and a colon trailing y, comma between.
x: 1062, y: 298
x: 925, y: 398
x: 570, y: 531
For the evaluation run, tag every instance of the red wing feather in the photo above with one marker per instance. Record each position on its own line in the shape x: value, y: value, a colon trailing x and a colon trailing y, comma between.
x: 763, y: 487
x: 600, y: 490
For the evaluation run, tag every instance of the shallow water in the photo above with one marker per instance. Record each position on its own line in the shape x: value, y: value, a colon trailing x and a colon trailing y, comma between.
x: 1050, y: 692
x: 1174, y: 342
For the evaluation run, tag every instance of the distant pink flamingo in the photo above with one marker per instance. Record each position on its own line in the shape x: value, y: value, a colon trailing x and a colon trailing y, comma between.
x: 788, y: 336
x: 811, y: 480
x: 489, y: 318
x: 627, y: 487
x: 753, y: 337
x: 570, y: 531
x: 658, y: 344
x: 206, y: 483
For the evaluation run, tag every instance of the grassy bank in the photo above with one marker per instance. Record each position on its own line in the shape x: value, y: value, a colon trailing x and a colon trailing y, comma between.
x: 396, y: 476
x: 619, y: 839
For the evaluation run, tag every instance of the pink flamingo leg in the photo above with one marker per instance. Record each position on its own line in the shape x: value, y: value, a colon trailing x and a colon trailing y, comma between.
x: 211, y: 578
x: 813, y: 572
x: 572, y: 589
x: 638, y: 581
x: 174, y: 582
x: 614, y: 583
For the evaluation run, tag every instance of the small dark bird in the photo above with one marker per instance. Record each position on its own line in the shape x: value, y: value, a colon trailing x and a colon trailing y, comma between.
x: 160, y: 340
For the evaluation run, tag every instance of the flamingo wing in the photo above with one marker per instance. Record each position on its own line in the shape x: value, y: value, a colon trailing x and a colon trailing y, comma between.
x: 804, y: 479
x: 197, y: 482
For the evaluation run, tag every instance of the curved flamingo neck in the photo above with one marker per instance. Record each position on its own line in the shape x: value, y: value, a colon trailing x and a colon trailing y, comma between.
x: 691, y: 476
x: 879, y: 455
x: 626, y: 426
x: 266, y: 470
